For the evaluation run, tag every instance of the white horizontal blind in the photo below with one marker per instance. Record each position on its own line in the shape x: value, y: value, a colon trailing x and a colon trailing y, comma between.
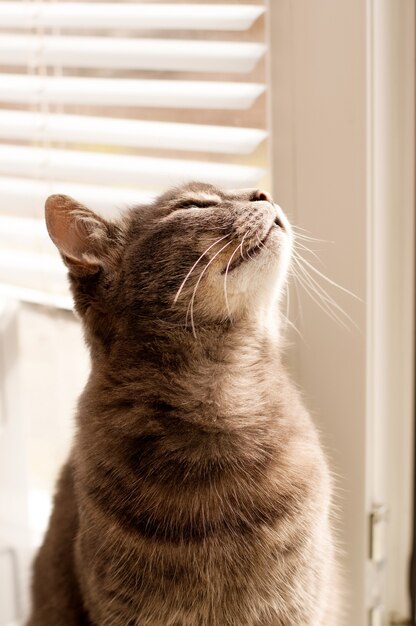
x: 112, y: 103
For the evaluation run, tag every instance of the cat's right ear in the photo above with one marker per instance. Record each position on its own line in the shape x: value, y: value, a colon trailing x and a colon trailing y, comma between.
x: 86, y: 241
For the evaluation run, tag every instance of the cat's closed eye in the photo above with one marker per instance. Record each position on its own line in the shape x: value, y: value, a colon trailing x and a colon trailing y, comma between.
x: 200, y: 201
x: 196, y: 203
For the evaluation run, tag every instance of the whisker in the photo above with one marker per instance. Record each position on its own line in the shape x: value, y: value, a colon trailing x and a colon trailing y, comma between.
x: 320, y: 303
x: 197, y: 285
x: 260, y: 243
x: 225, y: 280
x: 325, y: 298
x: 241, y: 246
x: 298, y: 298
x: 287, y: 295
x: 298, y: 244
x: 308, y: 237
x: 291, y: 324
x: 328, y: 280
x: 286, y: 317
x: 318, y: 289
x: 193, y: 267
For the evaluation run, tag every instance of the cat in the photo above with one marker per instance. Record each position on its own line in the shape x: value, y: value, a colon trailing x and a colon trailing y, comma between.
x: 196, y: 492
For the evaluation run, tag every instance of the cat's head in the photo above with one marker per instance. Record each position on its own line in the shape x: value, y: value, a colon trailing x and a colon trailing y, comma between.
x: 198, y: 255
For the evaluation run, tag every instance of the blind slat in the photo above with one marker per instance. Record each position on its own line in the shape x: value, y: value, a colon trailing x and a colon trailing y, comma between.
x: 34, y: 271
x: 130, y: 16
x: 24, y: 234
x: 121, y: 169
x: 32, y: 89
x: 130, y: 133
x: 117, y: 53
x: 26, y: 197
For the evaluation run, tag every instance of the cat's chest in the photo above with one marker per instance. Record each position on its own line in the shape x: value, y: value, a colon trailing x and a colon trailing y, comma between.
x: 194, y: 584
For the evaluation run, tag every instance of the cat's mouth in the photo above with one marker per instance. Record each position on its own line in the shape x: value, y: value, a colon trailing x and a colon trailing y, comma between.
x: 255, y: 250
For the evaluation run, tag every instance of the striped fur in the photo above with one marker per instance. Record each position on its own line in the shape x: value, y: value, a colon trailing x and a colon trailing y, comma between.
x: 196, y: 493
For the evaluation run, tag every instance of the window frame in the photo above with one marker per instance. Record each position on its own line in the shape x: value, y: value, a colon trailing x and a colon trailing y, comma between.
x: 343, y: 113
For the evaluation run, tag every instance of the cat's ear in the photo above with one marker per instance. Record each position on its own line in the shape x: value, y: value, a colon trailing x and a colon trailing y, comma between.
x: 85, y: 240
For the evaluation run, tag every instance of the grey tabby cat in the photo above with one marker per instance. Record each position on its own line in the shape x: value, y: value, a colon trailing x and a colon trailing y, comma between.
x: 196, y: 493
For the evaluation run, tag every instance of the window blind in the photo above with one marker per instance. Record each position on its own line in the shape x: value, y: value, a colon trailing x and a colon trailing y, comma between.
x: 113, y: 102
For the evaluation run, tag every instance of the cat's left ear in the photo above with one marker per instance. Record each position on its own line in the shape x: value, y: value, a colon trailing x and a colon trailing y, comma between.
x: 86, y: 241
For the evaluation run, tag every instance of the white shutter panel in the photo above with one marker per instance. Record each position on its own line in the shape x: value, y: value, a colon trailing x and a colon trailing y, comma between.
x: 110, y: 92
x: 86, y: 15
x: 113, y: 102
x: 14, y: 525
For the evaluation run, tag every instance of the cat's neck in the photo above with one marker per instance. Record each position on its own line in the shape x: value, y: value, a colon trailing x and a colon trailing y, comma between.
x: 223, y: 368
x: 170, y: 349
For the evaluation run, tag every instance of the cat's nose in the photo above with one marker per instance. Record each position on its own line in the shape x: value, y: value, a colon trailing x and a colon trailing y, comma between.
x: 261, y: 196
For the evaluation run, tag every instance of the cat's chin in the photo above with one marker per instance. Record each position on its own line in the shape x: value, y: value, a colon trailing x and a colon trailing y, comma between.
x: 257, y: 286
x: 266, y: 263
x: 279, y: 234
x: 274, y: 247
x: 249, y: 254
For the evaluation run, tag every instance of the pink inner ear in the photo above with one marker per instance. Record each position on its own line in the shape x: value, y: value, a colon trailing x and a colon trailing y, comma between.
x: 70, y: 226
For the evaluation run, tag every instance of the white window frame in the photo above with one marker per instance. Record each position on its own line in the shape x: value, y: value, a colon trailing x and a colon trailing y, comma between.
x: 343, y: 112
